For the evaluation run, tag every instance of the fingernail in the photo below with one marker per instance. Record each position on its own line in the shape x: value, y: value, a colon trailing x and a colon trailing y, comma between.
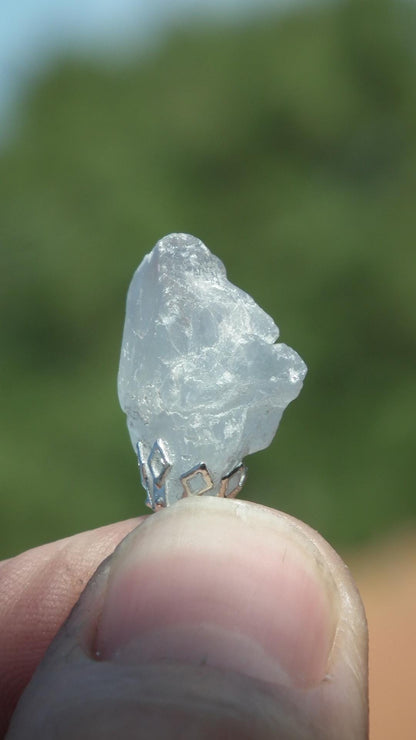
x: 225, y: 584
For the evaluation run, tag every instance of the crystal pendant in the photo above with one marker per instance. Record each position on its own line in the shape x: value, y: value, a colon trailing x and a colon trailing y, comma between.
x: 202, y: 378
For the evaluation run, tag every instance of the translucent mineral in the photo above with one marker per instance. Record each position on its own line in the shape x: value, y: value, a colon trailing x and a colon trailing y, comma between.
x: 202, y: 378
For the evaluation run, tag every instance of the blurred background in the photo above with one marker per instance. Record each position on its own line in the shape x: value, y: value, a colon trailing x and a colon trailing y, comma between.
x: 283, y: 134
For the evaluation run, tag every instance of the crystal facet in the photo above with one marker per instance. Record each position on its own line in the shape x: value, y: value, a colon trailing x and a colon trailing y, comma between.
x: 202, y: 378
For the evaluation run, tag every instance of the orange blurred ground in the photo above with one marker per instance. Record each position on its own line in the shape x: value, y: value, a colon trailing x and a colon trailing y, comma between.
x: 386, y: 577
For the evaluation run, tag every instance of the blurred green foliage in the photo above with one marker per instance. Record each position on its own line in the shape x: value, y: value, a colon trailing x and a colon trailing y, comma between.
x: 289, y: 147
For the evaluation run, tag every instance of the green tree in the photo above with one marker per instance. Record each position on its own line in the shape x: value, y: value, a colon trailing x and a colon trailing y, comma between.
x: 289, y: 147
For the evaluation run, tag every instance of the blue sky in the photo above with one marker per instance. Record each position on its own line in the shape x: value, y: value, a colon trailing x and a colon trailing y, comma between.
x: 34, y: 32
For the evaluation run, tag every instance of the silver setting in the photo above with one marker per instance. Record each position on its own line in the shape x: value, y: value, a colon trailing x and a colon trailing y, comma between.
x: 154, y: 466
x: 232, y: 483
x: 196, y: 481
x: 158, y: 462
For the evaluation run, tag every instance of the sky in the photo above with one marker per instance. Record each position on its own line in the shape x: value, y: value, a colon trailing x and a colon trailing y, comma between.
x: 34, y: 32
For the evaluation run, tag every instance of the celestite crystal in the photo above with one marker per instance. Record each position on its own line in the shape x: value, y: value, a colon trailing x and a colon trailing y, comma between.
x: 202, y: 379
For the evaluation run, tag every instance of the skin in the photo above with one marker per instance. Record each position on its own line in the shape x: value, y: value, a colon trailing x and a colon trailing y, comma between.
x: 212, y: 619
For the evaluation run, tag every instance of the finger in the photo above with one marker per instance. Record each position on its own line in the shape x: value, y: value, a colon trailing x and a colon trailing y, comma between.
x: 37, y: 591
x: 214, y: 618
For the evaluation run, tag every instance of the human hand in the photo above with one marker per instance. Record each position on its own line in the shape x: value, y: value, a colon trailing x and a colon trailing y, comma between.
x: 213, y: 619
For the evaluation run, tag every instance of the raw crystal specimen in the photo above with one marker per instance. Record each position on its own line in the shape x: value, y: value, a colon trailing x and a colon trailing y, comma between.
x: 201, y: 379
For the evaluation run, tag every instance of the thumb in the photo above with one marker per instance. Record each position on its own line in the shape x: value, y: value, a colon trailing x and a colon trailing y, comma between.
x: 213, y: 618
